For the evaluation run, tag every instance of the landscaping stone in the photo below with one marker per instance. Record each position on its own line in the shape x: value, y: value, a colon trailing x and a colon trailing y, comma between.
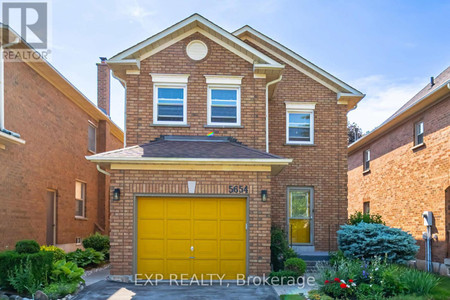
x: 4, y: 297
x: 39, y: 295
x: 15, y: 297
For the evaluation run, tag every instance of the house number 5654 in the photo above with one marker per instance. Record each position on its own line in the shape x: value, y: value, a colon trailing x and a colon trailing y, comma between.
x: 238, y: 189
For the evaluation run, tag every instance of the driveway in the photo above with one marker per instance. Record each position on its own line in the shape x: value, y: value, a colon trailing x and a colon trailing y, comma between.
x: 124, y: 291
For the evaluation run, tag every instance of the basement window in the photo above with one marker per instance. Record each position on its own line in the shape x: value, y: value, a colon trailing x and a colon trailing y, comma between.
x: 366, y: 160
x: 80, y: 199
x: 418, y: 133
x: 366, y: 207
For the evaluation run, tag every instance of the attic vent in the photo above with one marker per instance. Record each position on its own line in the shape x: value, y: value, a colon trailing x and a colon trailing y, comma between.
x: 197, y: 50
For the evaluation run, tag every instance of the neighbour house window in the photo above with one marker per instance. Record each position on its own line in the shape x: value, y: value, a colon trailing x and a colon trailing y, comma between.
x: 299, y: 123
x: 366, y: 207
x: 80, y: 199
x: 300, y: 215
x: 418, y: 133
x: 366, y: 160
x: 224, y: 105
x: 169, y: 105
x: 92, y: 138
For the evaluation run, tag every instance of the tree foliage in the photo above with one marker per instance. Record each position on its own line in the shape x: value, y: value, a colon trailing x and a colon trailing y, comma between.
x: 354, y: 132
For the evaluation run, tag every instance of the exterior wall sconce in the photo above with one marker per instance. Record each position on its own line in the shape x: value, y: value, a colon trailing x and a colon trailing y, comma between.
x: 116, y: 194
x: 264, y: 195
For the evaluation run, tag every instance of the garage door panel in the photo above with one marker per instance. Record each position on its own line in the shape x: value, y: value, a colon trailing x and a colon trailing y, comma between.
x: 151, y: 248
x: 151, y: 208
x: 178, y: 267
x: 178, y: 249
x: 232, y: 209
x: 178, y: 229
x: 205, y: 266
x: 205, y: 249
x: 178, y: 209
x: 231, y: 268
x: 205, y: 229
x: 150, y: 266
x: 205, y: 209
x: 232, y: 249
x: 151, y: 229
x: 232, y: 230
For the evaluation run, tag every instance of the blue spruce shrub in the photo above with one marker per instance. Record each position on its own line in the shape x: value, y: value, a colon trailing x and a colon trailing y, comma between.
x: 365, y: 240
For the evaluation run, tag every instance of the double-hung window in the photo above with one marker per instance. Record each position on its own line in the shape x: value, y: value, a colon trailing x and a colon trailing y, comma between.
x: 366, y: 160
x: 80, y: 199
x: 92, y: 138
x: 170, y: 99
x: 224, y: 105
x: 418, y: 133
x: 299, y: 123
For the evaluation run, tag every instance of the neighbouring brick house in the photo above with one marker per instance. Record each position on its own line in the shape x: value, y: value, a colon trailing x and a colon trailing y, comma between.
x: 402, y: 168
x: 227, y: 134
x: 48, y: 191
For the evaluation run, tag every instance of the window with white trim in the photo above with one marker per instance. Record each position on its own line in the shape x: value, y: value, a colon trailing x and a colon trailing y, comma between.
x: 224, y: 105
x: 92, y: 138
x: 299, y: 123
x: 418, y: 133
x: 366, y: 160
x: 169, y: 104
x: 80, y: 199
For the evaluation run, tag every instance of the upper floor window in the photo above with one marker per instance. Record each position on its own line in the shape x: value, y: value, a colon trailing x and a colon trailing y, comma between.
x: 169, y: 105
x: 224, y: 105
x: 169, y: 98
x: 418, y: 133
x: 366, y: 160
x: 300, y: 123
x: 92, y: 138
x: 80, y: 199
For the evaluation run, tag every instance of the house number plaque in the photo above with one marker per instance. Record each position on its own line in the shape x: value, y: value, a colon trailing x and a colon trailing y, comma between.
x: 238, y: 189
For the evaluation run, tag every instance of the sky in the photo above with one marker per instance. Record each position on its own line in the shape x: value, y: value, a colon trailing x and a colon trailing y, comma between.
x: 388, y: 50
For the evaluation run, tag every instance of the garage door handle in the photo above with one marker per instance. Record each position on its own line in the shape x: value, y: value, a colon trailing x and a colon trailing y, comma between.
x: 192, y: 257
x: 192, y: 248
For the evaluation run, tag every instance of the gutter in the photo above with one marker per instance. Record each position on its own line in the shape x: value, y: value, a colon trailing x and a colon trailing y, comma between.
x: 102, y: 171
x: 267, y: 109
x: 171, y: 160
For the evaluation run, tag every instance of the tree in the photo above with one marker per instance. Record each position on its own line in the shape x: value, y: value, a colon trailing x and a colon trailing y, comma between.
x: 354, y: 132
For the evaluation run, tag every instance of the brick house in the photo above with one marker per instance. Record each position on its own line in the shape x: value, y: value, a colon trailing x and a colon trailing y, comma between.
x: 48, y: 191
x: 227, y: 134
x: 401, y: 168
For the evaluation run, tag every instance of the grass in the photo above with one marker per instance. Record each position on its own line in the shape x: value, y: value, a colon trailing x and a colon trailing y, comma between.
x: 442, y: 290
x: 292, y: 297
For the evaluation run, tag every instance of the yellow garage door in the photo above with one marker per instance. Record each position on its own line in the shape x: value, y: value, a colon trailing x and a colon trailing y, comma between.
x: 191, y: 236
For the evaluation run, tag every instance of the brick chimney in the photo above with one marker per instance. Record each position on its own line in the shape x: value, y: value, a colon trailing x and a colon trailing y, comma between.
x: 103, y: 85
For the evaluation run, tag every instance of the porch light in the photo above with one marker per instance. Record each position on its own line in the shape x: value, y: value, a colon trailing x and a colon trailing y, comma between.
x: 116, y: 194
x: 264, y: 195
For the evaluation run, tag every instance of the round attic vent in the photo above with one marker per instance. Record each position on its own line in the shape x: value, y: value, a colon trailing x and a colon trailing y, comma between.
x: 197, y: 50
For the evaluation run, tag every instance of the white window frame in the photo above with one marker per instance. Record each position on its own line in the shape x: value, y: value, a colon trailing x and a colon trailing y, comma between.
x: 417, y: 126
x: 366, y: 158
x: 83, y: 200
x: 155, y: 103
x: 311, y: 127
x: 238, y: 104
x: 95, y: 137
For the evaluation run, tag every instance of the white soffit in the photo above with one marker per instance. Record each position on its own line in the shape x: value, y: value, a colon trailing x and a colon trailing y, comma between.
x: 223, y: 79
x: 300, y: 105
x: 169, y: 78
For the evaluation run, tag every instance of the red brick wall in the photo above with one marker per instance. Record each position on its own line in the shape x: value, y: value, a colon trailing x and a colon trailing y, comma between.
x: 175, y: 182
x: 403, y: 183
x: 173, y: 60
x: 55, y: 131
x: 322, y: 166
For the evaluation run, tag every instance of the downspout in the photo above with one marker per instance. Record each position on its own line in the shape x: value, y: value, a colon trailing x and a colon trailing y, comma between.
x: 2, y: 82
x: 267, y: 109
x: 102, y: 171
x: 124, y: 83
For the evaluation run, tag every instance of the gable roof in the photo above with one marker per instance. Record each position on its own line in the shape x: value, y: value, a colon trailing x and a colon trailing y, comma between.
x: 429, y: 95
x: 345, y: 92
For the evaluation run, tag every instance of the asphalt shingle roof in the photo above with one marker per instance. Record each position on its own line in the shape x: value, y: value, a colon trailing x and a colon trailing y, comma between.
x: 202, y: 147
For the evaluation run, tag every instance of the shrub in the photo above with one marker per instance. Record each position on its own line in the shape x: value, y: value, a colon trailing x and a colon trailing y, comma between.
x: 97, y: 242
x: 88, y: 257
x: 368, y: 240
x: 66, y: 272
x: 59, y: 290
x: 279, y: 249
x: 23, y: 278
x: 297, y: 265
x: 27, y: 246
x: 41, y: 265
x: 58, y: 253
x: 359, y: 217
x: 283, y: 277
x: 418, y: 282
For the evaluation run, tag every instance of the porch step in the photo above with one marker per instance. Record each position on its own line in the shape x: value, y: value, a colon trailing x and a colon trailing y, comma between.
x: 311, y: 258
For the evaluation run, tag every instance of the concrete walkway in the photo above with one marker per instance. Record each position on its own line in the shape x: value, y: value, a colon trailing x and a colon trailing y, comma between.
x: 93, y: 276
x: 125, y: 291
